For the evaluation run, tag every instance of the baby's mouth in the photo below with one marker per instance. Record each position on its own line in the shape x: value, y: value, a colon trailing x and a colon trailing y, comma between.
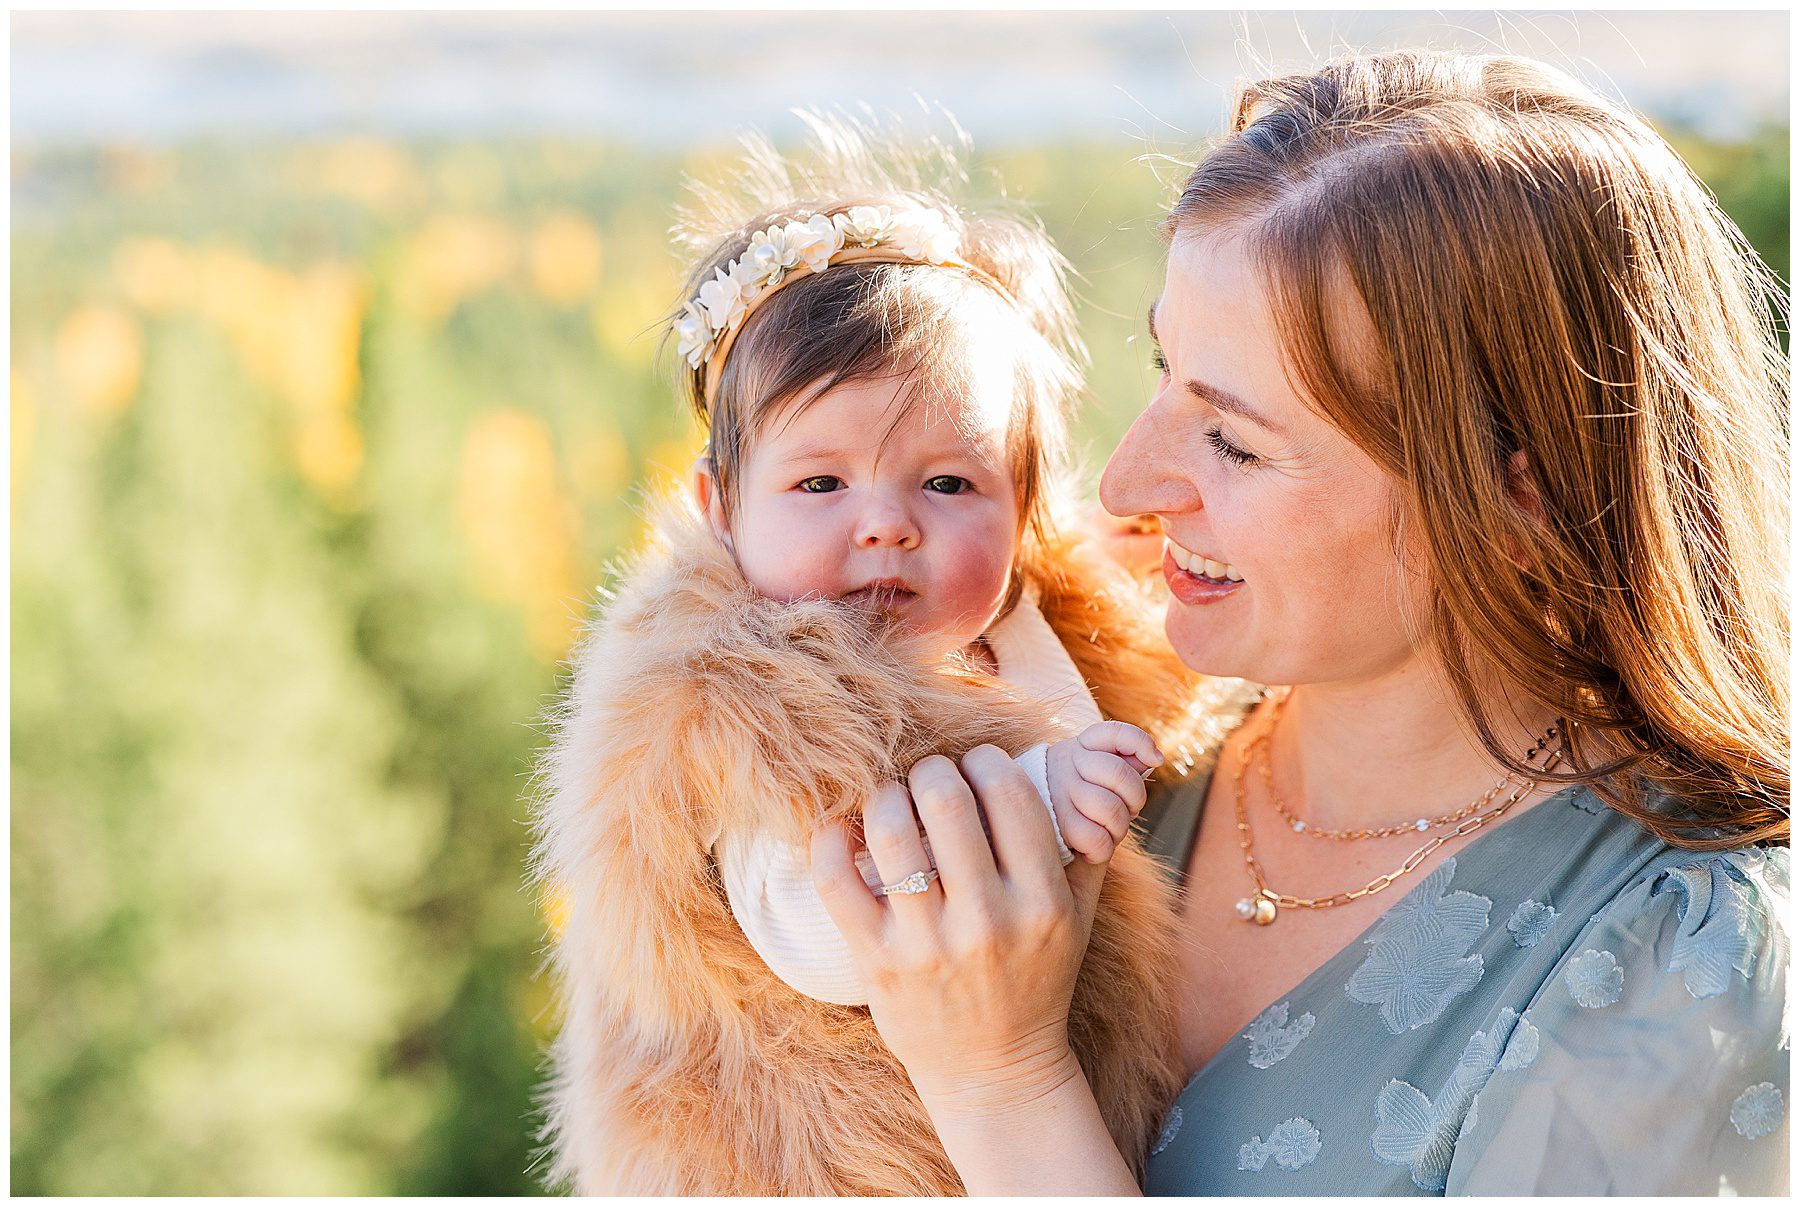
x: 881, y: 597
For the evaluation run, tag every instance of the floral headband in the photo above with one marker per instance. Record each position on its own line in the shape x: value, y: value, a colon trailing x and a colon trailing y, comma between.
x: 708, y: 324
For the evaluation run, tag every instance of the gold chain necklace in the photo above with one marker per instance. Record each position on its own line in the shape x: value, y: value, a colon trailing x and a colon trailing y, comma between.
x: 1260, y: 744
x: 1262, y: 906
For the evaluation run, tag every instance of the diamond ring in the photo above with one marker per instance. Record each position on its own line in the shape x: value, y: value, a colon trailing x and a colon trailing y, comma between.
x: 918, y: 882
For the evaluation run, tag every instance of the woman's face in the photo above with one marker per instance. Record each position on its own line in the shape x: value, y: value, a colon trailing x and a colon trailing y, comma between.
x: 1305, y: 583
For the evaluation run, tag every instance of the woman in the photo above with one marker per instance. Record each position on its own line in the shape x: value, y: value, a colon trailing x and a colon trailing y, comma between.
x: 1470, y: 436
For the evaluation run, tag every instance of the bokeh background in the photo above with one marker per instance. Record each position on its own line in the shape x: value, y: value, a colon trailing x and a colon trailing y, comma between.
x: 333, y: 382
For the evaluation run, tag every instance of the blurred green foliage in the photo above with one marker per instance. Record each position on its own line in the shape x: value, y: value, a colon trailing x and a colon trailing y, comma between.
x: 318, y: 452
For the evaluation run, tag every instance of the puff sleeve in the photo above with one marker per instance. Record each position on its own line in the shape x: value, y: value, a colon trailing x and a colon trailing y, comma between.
x: 1654, y: 1059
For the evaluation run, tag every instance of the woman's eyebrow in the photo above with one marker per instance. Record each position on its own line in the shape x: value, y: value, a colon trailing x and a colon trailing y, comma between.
x: 1223, y: 399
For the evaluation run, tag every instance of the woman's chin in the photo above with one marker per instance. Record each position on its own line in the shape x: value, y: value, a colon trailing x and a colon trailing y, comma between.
x: 1204, y: 648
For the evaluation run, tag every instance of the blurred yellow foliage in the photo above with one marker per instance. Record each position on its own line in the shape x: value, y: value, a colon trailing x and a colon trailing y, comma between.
x: 378, y: 174
x: 564, y: 257
x: 600, y: 465
x: 470, y: 177
x: 300, y: 336
x: 642, y: 284
x: 249, y: 301
x: 521, y: 528
x: 328, y: 449
x: 100, y: 358
x: 628, y: 320
x: 452, y: 257
x: 324, y: 328
x: 674, y: 459
x: 24, y: 427
x: 154, y: 274
x: 668, y: 466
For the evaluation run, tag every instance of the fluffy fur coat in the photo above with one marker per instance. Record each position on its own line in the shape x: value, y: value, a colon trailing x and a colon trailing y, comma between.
x: 684, y: 1065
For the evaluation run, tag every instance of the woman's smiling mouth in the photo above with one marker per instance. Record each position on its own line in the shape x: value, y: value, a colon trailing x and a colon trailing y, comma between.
x: 1196, y: 579
x: 1201, y: 566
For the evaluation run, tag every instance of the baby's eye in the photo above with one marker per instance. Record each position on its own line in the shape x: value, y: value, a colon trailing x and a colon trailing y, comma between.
x: 823, y: 484
x: 948, y: 484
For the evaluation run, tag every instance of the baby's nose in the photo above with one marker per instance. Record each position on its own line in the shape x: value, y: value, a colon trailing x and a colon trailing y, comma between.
x: 887, y: 525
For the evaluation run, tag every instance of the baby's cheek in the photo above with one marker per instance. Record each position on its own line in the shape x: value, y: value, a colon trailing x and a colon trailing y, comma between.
x: 976, y: 575
x: 789, y: 555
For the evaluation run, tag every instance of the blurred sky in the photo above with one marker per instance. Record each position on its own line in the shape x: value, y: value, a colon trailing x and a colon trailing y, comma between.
x: 663, y: 79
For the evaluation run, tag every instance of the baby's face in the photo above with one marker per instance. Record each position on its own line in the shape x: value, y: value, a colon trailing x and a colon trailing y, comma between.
x: 868, y: 497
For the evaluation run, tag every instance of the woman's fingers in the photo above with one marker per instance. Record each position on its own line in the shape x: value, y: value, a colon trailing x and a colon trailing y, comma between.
x: 1084, y: 880
x: 952, y: 821
x: 891, y: 832
x: 853, y: 909
x: 1024, y: 844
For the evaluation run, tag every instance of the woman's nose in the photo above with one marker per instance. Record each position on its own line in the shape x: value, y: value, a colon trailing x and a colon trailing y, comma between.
x: 1146, y: 472
x: 884, y: 523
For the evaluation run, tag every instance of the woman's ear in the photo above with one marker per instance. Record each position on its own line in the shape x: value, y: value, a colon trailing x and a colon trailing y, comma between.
x: 708, y: 498
x: 1524, y: 495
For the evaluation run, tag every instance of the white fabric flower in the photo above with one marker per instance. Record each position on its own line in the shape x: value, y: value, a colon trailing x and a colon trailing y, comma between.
x: 725, y: 301
x: 866, y: 225
x: 750, y: 282
x: 1595, y: 979
x: 722, y: 297
x: 734, y: 290
x: 1758, y: 1111
x: 694, y: 332
x: 768, y: 256
x: 925, y: 235
x: 814, y: 241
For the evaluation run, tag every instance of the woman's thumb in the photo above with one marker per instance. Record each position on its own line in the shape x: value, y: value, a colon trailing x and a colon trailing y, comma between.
x: 1085, y: 880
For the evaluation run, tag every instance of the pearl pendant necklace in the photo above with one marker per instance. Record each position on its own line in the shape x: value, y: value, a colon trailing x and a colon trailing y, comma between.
x: 1260, y: 910
x: 1262, y: 906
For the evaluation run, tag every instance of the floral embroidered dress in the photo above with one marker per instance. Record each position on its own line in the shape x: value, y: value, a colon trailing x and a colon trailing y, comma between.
x: 1568, y: 1006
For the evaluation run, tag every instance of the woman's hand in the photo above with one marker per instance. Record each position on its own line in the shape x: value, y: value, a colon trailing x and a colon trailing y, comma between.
x: 970, y: 981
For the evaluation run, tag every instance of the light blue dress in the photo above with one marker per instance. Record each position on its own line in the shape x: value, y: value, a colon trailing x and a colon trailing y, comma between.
x: 1569, y: 1006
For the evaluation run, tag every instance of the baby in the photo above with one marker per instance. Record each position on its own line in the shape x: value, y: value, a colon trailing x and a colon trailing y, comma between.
x: 872, y: 567
x: 863, y: 493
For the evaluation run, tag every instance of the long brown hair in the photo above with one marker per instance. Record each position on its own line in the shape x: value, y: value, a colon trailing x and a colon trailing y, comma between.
x: 1541, y: 274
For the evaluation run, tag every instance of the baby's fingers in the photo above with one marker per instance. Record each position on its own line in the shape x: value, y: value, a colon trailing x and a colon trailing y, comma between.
x: 1115, y: 775
x: 1125, y: 740
x: 1103, y: 807
x: 1088, y: 835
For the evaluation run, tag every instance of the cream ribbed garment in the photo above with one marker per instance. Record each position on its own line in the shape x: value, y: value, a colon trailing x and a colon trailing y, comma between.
x: 769, y: 882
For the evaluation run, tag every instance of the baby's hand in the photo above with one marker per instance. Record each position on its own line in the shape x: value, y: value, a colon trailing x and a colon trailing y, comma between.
x: 1097, y: 785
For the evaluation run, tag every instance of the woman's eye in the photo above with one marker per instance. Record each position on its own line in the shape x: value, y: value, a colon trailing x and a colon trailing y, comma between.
x: 824, y: 484
x: 948, y: 484
x: 1158, y: 361
x: 1228, y: 450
